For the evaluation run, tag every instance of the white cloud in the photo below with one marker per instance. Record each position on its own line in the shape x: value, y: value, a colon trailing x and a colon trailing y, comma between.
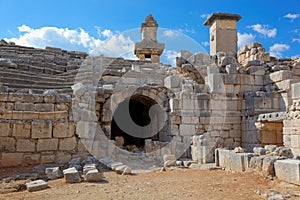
x: 277, y: 49
x: 291, y: 16
x: 296, y: 40
x: 170, y: 33
x: 206, y: 44
x: 205, y: 16
x: 107, y: 33
x: 264, y: 30
x: 245, y: 38
x: 170, y: 56
x: 79, y: 39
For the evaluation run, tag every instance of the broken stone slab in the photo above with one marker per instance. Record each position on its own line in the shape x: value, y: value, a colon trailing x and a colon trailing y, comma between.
x: 72, y: 175
x: 114, y: 165
x: 53, y: 173
x: 270, y: 148
x: 88, y: 167
x: 288, y: 170
x: 283, y: 152
x: 123, y: 169
x: 93, y: 175
x: 203, y: 154
x: 239, y: 162
x: 36, y: 185
x: 169, y: 160
x: 268, y: 166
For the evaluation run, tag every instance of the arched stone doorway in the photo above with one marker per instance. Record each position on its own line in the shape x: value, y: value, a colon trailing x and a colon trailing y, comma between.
x: 139, y: 106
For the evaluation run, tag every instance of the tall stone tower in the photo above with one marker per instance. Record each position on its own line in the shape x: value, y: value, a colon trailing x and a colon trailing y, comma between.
x: 223, y: 35
x: 149, y: 47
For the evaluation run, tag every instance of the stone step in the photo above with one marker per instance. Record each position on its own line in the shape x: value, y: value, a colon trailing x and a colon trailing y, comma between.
x: 29, y: 75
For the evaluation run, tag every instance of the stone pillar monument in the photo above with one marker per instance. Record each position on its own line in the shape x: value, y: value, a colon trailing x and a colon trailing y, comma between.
x: 149, y: 47
x: 223, y: 35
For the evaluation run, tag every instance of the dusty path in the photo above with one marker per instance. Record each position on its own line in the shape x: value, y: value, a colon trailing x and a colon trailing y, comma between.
x: 176, y: 184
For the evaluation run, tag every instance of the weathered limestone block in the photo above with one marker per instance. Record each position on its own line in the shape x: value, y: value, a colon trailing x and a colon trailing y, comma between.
x: 202, y: 154
x: 7, y: 144
x: 173, y: 81
x: 93, y: 175
x: 240, y: 161
x: 46, y: 159
x: 63, y: 130
x: 46, y: 115
x: 36, y: 185
x: 256, y: 163
x: 123, y: 169
x: 47, y: 144
x: 187, y: 130
x: 41, y: 129
x: 67, y: 144
x: 259, y: 151
x: 72, y: 175
x: 21, y: 130
x: 268, y: 165
x: 53, y: 173
x: 11, y: 159
x: 280, y: 75
x: 62, y: 157
x: 44, y: 107
x: 288, y: 170
x: 24, y: 145
x: 31, y: 159
x: 296, y: 91
x: 24, y: 106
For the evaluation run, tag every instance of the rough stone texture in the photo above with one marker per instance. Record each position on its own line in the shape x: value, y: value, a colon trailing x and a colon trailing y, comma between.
x: 47, y: 144
x: 36, y: 185
x: 41, y: 129
x: 93, y: 175
x: 123, y: 169
x: 288, y: 170
x: 169, y: 160
x: 53, y: 173
x: 71, y: 175
x: 225, y: 100
x: 11, y: 159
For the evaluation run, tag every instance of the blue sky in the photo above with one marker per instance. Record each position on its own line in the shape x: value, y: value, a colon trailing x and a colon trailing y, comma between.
x: 112, y: 27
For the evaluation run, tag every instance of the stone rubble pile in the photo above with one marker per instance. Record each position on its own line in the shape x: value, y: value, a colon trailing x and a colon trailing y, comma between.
x: 269, y: 161
x: 252, y: 52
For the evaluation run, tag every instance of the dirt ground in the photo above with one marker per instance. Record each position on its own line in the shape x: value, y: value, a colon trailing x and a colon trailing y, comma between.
x: 171, y: 184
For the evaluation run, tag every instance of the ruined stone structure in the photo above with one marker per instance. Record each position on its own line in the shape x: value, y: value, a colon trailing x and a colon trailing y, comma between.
x: 149, y: 47
x: 223, y: 35
x: 226, y: 99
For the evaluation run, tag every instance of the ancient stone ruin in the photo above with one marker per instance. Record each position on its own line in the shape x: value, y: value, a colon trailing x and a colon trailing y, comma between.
x: 53, y: 102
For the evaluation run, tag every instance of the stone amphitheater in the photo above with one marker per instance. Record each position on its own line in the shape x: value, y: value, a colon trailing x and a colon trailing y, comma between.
x: 240, y: 109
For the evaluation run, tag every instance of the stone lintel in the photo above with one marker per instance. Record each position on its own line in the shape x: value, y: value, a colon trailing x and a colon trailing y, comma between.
x: 221, y: 16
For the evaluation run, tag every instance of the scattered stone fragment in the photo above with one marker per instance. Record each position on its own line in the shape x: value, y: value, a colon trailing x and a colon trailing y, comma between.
x: 259, y: 151
x: 123, y: 169
x: 72, y: 175
x: 36, y: 185
x: 238, y: 150
x: 88, y: 167
x: 93, y: 175
x: 169, y: 160
x: 53, y: 173
x: 114, y: 165
x: 270, y: 148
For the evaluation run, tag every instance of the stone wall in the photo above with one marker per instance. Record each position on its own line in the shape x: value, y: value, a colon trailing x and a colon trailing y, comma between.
x: 36, y: 129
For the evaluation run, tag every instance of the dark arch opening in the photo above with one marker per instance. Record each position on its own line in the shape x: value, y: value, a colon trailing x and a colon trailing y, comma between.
x: 139, y: 106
